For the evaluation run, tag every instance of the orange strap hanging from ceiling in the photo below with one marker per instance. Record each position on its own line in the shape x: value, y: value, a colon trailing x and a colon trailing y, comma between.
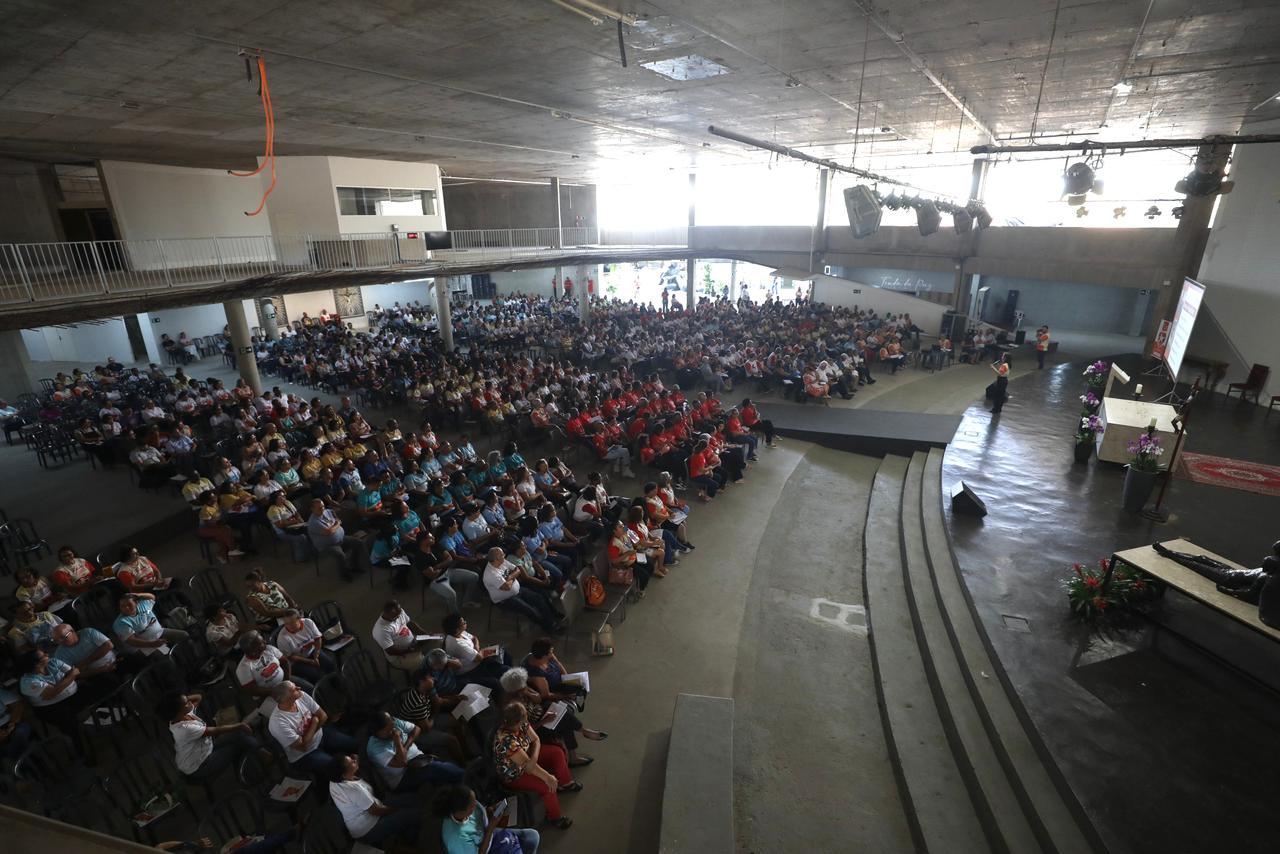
x: 269, y: 158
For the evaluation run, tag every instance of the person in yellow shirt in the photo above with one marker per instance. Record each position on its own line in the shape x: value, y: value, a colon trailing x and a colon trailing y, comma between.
x: 195, y: 487
x: 309, y: 468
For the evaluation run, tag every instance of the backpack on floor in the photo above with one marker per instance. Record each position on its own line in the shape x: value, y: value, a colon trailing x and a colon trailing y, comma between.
x: 593, y: 591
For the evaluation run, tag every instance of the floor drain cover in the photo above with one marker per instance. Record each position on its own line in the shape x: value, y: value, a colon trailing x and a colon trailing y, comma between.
x: 1016, y: 624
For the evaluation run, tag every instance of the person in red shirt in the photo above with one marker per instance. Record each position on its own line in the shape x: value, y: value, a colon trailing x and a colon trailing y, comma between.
x: 611, y: 452
x: 702, y: 474
x: 74, y: 574
x: 751, y: 418
x: 737, y: 434
x: 577, y: 424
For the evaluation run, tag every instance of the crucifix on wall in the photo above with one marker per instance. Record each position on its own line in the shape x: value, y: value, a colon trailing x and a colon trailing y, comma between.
x: 349, y: 302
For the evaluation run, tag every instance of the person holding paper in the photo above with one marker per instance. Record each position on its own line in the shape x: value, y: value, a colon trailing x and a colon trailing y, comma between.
x: 423, y: 705
x: 396, y: 635
x: 139, y: 629
x: 469, y: 828
x: 672, y: 522
x: 525, y: 763
x: 302, y: 644
x: 478, y: 665
x: 557, y: 719
x: 548, y: 676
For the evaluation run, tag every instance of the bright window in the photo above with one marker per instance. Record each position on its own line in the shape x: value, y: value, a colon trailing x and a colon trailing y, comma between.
x: 381, y: 201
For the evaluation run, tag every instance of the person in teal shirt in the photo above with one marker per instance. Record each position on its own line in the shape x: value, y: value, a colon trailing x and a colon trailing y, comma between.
x: 512, y: 458
x: 468, y: 828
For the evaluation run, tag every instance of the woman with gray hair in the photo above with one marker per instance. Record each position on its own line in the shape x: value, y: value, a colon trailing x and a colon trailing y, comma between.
x: 515, y: 689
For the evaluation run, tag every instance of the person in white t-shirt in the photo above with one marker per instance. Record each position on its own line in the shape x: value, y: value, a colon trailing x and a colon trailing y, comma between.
x: 396, y: 635
x: 196, y: 753
x: 476, y: 665
x: 302, y: 644
x: 298, y: 724
x: 263, y: 668
x: 368, y: 819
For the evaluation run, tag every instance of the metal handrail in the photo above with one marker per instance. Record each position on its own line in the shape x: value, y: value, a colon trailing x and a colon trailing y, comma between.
x: 48, y: 272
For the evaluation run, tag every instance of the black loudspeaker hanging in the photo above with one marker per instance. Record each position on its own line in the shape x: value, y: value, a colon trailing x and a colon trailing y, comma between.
x: 967, y: 502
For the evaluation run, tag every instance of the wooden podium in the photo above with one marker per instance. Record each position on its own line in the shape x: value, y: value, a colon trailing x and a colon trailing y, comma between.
x: 1125, y: 420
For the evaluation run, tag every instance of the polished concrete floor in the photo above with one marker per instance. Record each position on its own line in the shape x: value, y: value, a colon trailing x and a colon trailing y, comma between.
x: 1168, y: 748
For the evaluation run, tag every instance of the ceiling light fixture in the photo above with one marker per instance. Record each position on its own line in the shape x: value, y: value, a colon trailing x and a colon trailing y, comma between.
x: 1122, y: 88
x: 629, y: 20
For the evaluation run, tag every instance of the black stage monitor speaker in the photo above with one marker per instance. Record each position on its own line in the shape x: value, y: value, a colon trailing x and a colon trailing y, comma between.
x: 864, y: 210
x: 966, y: 501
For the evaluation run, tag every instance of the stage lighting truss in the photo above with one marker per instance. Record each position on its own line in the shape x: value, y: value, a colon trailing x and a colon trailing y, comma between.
x: 929, y: 212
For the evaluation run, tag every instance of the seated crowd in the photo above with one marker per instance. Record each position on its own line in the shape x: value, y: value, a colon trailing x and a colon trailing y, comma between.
x: 496, y: 529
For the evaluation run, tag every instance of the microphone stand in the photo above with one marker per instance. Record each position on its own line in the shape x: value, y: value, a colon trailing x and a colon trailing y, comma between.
x: 1157, y: 513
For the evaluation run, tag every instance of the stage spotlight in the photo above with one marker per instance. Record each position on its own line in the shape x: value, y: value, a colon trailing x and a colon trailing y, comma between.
x: 981, y: 218
x: 1152, y: 212
x: 1078, y: 181
x: 927, y: 217
x: 1081, y: 212
x: 962, y: 220
x: 1177, y: 212
x: 1199, y: 183
x: 863, y: 207
x: 1118, y: 213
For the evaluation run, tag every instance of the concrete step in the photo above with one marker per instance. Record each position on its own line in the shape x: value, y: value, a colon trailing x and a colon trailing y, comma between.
x: 934, y: 791
x: 1048, y: 808
x: 995, y: 801
x: 697, y: 800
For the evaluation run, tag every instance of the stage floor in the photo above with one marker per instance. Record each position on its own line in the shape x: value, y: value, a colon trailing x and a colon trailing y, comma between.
x: 1166, y: 748
x: 874, y: 432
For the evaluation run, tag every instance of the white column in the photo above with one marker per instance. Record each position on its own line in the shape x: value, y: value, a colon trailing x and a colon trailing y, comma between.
x: 584, y: 298
x: 691, y: 263
x: 267, y: 310
x: 246, y: 364
x: 444, y: 313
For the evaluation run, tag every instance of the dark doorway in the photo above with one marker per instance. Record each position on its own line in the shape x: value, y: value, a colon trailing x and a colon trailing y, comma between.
x: 134, y: 329
x: 88, y: 224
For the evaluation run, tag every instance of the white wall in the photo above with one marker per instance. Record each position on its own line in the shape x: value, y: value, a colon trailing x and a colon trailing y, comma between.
x: 397, y: 174
x: 312, y: 303
x: 531, y: 281
x: 303, y: 201
x: 197, y: 320
x: 151, y: 201
x: 87, y: 343
x: 1241, y: 266
x: 833, y: 291
x: 405, y: 293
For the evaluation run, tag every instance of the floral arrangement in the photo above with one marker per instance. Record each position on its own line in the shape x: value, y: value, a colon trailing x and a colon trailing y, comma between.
x: 1090, y: 400
x: 1144, y: 454
x: 1097, y: 372
x: 1090, y: 426
x: 1091, y: 597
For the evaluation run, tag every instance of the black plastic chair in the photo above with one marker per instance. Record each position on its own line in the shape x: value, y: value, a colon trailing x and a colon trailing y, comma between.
x: 234, y: 817
x: 369, y: 680
x: 326, y: 833
x: 158, y: 678
x: 54, y: 768
x: 97, y: 606
x: 136, y: 782
x: 328, y: 614
x: 210, y: 585
x: 23, y: 541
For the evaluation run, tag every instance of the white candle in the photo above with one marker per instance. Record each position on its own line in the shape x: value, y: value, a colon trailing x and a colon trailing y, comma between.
x: 1152, y: 424
x: 1138, y: 390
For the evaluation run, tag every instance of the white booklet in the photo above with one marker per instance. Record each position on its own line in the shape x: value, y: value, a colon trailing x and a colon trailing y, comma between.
x: 554, y: 714
x: 678, y: 516
x: 428, y: 638
x: 477, y: 700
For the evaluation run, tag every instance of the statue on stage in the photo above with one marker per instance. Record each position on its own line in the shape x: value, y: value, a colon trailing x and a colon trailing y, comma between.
x: 1259, y: 587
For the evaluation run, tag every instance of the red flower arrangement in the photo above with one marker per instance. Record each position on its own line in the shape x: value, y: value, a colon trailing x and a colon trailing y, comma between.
x: 1090, y: 599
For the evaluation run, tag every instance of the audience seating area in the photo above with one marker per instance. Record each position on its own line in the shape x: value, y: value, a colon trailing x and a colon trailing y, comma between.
x: 505, y: 489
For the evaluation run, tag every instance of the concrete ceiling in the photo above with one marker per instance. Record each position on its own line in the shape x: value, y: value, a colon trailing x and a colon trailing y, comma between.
x: 525, y: 89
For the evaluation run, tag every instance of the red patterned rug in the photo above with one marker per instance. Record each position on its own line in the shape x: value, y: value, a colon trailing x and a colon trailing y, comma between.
x: 1233, y: 474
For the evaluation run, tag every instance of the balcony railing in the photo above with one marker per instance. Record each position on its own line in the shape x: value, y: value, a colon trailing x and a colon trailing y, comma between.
x: 53, y: 272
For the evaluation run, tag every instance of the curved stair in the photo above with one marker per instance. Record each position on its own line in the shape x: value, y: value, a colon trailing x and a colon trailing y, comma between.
x: 971, y: 772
